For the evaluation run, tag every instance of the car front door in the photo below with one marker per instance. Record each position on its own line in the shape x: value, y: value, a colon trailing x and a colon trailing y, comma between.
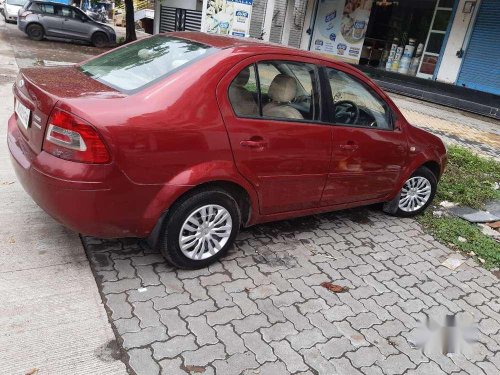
x: 369, y: 149
x: 75, y: 23
x: 271, y: 108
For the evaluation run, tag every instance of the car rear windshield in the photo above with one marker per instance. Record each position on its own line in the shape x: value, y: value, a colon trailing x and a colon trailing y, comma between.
x: 135, y: 66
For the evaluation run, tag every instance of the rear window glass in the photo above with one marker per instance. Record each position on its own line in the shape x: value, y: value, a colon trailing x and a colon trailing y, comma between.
x: 140, y: 64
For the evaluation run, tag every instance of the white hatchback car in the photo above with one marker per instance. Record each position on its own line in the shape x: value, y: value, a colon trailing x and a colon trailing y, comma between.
x: 11, y: 9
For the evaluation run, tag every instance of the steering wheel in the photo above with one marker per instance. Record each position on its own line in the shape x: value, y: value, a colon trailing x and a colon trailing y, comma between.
x: 346, y: 112
x: 301, y: 99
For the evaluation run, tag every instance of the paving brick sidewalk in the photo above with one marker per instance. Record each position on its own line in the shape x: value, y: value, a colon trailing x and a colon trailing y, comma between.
x: 262, y: 309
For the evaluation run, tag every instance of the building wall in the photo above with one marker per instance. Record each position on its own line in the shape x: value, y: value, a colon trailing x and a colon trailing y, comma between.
x: 185, y: 4
x: 459, y: 34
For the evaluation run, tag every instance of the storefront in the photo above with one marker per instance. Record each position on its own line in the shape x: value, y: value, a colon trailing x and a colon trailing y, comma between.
x: 403, y: 36
x: 427, y: 44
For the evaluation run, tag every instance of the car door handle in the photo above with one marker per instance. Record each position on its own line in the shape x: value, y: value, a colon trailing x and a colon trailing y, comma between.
x: 254, y: 143
x: 349, y: 146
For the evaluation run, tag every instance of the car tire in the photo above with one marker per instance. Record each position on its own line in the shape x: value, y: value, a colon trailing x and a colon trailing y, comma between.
x: 100, y: 40
x: 200, y: 229
x: 415, y: 196
x: 35, y: 32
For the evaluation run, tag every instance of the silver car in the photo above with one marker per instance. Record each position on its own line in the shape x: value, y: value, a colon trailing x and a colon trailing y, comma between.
x: 10, y: 8
x: 40, y: 19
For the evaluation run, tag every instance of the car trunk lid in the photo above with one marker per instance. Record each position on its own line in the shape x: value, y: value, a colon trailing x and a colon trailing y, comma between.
x: 40, y: 89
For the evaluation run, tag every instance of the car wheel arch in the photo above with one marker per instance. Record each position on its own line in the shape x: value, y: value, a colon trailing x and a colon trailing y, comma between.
x: 434, y: 167
x: 34, y: 23
x: 418, y: 162
x: 245, y: 201
x: 97, y: 32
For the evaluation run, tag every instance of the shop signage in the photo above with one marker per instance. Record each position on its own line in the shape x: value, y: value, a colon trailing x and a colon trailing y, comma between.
x: 340, y: 28
x: 228, y: 17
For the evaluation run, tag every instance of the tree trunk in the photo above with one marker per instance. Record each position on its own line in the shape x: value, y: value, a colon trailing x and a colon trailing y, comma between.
x: 129, y: 21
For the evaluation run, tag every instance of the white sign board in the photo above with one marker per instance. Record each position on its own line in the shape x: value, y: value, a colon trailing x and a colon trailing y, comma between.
x: 227, y: 17
x: 340, y: 28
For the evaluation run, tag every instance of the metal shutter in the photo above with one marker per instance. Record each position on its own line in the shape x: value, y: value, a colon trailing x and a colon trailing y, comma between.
x: 167, y: 19
x: 192, y: 20
x: 299, y: 14
x: 257, y: 19
x: 481, y: 66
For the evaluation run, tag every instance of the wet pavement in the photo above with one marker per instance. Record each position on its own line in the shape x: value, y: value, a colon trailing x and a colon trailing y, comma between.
x: 51, y: 315
x: 32, y: 53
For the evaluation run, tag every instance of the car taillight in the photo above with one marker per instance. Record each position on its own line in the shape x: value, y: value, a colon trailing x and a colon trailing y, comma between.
x: 71, y: 138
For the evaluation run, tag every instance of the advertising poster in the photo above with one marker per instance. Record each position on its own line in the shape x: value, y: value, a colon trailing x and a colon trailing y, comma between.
x: 227, y: 17
x: 340, y: 28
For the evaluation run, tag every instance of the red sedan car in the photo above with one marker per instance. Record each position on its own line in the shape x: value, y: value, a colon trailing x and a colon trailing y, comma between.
x: 183, y: 138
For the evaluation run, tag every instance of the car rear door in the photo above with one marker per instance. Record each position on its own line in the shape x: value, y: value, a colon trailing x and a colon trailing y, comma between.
x: 51, y: 19
x: 369, y: 150
x: 286, y: 159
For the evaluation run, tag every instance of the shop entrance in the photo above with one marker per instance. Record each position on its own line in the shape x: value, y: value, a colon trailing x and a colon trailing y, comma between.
x: 403, y: 36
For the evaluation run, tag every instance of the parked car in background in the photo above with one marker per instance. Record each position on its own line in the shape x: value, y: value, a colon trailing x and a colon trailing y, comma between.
x: 11, y: 9
x: 183, y: 138
x: 40, y: 19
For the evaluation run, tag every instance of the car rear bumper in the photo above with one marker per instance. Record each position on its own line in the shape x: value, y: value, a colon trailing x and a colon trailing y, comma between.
x: 97, y: 200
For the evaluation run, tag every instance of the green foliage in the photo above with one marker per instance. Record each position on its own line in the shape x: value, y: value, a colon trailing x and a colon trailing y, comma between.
x: 449, y: 229
x: 468, y: 179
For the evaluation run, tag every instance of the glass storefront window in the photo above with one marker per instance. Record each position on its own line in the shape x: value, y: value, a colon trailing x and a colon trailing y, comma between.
x: 441, y: 19
x: 435, y: 42
x: 406, y: 36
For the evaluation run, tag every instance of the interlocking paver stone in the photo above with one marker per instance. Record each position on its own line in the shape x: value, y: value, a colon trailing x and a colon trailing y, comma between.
x: 306, y: 339
x: 172, y: 321
x: 278, y: 331
x: 203, y: 332
x: 262, y: 309
x: 172, y: 366
x: 293, y: 360
x: 251, y: 323
x: 173, y: 347
x: 235, y: 364
x: 233, y: 342
x: 263, y: 352
x: 204, y: 355
x: 142, y: 362
x: 119, y: 306
x: 146, y: 314
x: 144, y: 337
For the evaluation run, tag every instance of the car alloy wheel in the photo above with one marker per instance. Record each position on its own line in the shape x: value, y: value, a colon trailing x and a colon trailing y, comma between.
x: 205, y: 232
x: 415, y: 194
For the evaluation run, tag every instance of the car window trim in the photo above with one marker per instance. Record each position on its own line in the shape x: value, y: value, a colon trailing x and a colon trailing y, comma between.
x: 329, y: 96
x: 318, y: 91
x: 259, y: 93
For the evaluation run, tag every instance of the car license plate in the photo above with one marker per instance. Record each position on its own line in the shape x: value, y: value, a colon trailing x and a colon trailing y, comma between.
x: 23, y: 114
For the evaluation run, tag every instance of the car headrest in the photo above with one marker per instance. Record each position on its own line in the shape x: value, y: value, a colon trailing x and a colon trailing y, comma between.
x: 283, y: 88
x: 242, y: 78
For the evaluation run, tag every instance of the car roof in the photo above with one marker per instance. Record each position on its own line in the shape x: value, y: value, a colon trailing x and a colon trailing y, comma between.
x: 251, y: 45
